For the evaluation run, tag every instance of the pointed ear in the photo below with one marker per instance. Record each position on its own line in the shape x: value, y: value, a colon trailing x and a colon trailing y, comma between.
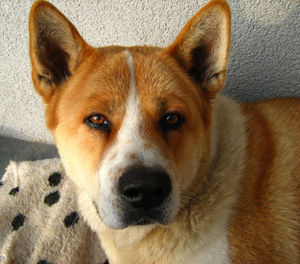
x: 56, y: 48
x: 202, y: 47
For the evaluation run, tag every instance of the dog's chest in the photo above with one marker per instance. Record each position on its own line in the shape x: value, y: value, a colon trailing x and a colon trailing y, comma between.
x: 214, y: 253
x: 212, y: 249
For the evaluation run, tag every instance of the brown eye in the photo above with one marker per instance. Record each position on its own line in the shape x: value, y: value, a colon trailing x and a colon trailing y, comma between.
x: 98, y: 121
x: 171, y: 121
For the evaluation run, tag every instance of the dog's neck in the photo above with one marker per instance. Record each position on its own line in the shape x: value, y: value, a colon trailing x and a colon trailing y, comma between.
x: 208, y: 204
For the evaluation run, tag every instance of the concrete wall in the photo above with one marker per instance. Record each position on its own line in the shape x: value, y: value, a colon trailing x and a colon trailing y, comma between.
x: 264, y: 60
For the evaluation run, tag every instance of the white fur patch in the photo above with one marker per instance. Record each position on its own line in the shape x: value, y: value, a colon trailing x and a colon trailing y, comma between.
x: 129, y: 141
x: 215, y: 252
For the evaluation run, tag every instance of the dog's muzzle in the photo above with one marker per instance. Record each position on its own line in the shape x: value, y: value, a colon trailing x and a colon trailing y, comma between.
x: 143, y: 192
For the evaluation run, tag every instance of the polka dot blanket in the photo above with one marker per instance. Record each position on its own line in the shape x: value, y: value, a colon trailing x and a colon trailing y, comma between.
x: 39, y: 219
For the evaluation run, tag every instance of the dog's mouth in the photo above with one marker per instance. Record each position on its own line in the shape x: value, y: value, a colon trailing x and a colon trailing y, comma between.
x: 121, y: 217
x: 138, y: 218
x: 144, y: 222
x: 141, y: 221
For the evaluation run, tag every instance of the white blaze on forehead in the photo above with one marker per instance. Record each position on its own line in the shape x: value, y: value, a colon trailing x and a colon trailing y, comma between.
x: 132, y: 119
x: 131, y: 138
x: 129, y: 60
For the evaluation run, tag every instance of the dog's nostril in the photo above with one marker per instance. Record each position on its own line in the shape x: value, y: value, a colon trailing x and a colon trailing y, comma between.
x: 132, y: 194
x: 159, y: 192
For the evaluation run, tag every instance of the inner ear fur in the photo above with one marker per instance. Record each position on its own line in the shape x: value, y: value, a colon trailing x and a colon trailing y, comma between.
x: 202, y: 47
x: 56, y: 48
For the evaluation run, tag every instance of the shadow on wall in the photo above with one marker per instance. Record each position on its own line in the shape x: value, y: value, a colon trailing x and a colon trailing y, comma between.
x: 19, y: 133
x: 18, y: 150
x: 262, y: 49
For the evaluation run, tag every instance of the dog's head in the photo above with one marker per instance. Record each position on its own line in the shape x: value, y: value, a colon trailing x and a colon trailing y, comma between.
x: 132, y: 125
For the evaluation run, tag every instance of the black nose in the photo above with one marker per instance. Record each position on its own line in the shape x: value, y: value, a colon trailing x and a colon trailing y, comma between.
x: 143, y: 187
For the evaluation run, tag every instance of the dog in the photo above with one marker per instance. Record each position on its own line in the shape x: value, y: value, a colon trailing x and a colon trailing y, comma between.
x: 175, y: 172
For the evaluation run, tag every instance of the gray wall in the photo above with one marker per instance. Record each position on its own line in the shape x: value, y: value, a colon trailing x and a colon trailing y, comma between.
x: 264, y: 60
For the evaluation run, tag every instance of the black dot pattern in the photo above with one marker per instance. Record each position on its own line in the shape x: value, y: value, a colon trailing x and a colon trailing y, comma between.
x: 54, y: 179
x: 1, y: 183
x: 18, y: 222
x: 52, y: 198
x: 14, y: 191
x: 71, y: 219
x: 43, y: 262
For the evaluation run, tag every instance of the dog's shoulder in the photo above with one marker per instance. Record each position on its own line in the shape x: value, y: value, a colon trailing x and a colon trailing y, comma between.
x: 267, y: 212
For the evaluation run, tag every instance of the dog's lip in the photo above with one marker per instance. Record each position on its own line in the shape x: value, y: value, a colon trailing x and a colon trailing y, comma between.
x: 143, y: 221
x: 145, y: 218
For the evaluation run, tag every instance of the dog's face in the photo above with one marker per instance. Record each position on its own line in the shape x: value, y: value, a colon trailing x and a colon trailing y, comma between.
x: 128, y: 135
x: 132, y: 125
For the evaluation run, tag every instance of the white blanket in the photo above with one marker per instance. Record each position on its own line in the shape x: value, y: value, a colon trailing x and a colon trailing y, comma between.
x: 39, y: 219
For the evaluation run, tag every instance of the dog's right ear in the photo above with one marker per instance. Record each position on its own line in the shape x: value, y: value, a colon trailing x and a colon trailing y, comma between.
x: 202, y: 47
x: 56, y: 48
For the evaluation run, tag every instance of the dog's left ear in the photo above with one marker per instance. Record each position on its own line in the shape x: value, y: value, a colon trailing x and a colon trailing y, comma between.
x: 56, y: 48
x: 202, y: 47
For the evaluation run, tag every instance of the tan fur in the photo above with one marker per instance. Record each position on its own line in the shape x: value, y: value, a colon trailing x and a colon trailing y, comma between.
x: 237, y: 165
x: 268, y: 210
